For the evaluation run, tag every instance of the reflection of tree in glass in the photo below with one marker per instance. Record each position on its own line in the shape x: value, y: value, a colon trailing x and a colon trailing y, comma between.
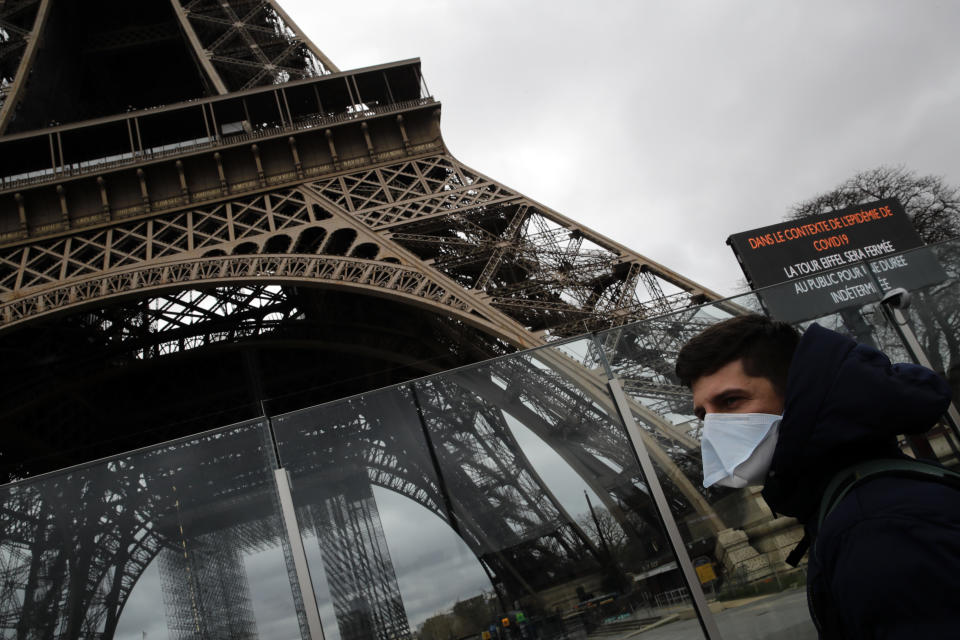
x: 629, y: 553
x: 604, y: 530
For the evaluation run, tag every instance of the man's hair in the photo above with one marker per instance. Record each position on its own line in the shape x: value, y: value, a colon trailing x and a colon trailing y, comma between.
x: 765, y: 346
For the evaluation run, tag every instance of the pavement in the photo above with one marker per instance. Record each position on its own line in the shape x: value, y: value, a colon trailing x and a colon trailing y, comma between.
x: 781, y: 616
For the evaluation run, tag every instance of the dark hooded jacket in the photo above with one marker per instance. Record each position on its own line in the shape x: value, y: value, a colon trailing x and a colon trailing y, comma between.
x: 886, y: 561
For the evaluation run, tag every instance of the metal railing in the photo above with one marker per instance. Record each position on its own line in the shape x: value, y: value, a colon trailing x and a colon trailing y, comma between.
x: 266, y: 130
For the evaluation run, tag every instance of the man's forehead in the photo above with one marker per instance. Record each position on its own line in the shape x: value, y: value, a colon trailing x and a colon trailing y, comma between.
x: 730, y: 375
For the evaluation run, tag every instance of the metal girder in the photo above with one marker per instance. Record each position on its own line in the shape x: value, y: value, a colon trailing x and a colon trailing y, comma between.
x: 12, y: 88
x: 221, y: 263
x: 205, y: 589
x: 211, y: 25
x: 360, y: 574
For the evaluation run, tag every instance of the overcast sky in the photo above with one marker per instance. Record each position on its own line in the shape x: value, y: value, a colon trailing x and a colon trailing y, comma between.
x: 669, y: 125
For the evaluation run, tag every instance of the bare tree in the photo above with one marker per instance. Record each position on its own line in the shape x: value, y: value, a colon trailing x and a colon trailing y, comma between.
x: 934, y: 208
x: 610, y: 532
x: 932, y: 204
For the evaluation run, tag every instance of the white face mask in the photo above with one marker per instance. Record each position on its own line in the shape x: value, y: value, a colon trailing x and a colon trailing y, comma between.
x: 737, y: 448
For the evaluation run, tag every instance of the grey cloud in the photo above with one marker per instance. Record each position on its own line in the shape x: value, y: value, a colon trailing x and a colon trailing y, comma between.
x: 670, y: 125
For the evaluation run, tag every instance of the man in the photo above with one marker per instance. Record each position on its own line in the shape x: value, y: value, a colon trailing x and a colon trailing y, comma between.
x: 796, y: 414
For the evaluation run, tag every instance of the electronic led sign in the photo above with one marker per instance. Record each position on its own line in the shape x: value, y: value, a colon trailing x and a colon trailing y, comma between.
x: 840, y: 259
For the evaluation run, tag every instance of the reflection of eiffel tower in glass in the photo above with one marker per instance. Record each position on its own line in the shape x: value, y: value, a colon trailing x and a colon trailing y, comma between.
x: 201, y: 219
x: 366, y: 597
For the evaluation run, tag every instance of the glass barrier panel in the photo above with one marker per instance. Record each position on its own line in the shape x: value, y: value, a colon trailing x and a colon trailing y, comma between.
x: 385, y: 556
x: 736, y: 544
x: 748, y: 550
x: 545, y: 489
x: 932, y: 315
x: 873, y: 325
x: 180, y: 540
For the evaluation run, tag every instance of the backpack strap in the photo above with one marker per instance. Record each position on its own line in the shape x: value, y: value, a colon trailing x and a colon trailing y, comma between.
x: 794, y: 557
x: 846, y: 479
x: 841, y: 483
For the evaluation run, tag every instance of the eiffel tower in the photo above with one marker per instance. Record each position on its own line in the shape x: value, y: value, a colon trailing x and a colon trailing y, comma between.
x: 191, y: 191
x: 203, y: 221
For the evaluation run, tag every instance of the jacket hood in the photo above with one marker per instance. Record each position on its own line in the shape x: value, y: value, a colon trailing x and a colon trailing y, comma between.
x: 845, y: 402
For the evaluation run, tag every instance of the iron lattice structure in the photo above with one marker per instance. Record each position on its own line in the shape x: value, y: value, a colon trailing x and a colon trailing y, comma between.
x: 205, y: 590
x: 366, y: 596
x: 75, y: 545
x: 237, y: 45
x: 240, y: 228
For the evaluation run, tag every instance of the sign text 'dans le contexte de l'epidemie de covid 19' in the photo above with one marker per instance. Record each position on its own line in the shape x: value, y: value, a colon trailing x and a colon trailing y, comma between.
x: 839, y: 259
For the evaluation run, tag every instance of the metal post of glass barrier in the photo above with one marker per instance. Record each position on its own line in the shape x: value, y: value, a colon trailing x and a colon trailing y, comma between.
x: 300, y: 565
x: 707, y: 621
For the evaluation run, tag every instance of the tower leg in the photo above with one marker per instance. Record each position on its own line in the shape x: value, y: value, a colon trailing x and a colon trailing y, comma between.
x: 205, y: 589
x: 360, y: 574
